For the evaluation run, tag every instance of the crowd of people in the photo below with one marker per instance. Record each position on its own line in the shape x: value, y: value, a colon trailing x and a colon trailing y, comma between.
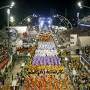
x: 45, y: 61
x: 81, y: 79
x: 46, y: 82
x: 86, y: 51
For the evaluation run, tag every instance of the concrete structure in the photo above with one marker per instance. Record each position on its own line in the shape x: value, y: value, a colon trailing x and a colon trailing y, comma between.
x: 20, y: 29
x: 77, y: 42
x: 81, y: 41
x: 73, y: 40
x: 84, y: 40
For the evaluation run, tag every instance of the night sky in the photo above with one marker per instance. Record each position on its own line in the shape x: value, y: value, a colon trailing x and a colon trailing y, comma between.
x: 24, y: 8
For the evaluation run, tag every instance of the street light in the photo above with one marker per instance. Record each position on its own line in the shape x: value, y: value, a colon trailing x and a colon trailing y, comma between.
x: 12, y: 4
x: 28, y: 20
x: 79, y: 4
x: 8, y: 11
x: 12, y: 19
x: 8, y: 16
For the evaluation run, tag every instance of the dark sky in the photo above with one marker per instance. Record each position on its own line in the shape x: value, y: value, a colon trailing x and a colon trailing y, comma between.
x: 24, y: 8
